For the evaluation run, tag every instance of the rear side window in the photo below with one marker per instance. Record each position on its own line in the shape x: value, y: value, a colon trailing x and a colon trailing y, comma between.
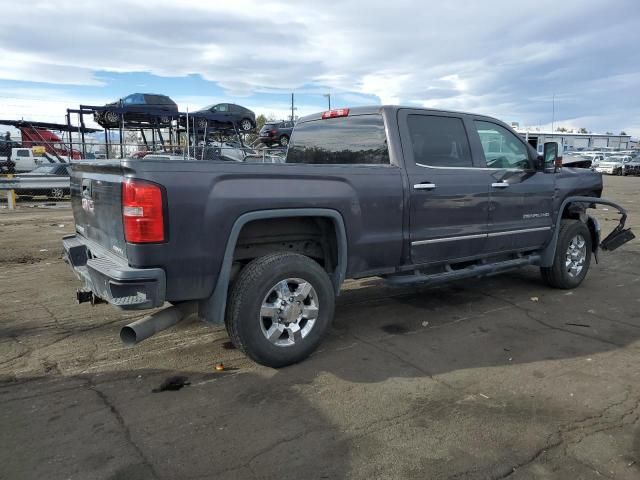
x: 356, y: 140
x: 22, y: 153
x: 439, y: 141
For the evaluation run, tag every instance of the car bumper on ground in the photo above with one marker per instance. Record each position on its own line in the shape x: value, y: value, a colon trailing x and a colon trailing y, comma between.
x: 111, y: 279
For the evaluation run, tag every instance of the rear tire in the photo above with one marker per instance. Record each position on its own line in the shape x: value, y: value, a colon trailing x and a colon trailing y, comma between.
x: 111, y: 117
x: 280, y: 292
x: 57, y: 193
x: 284, y: 140
x: 572, y: 257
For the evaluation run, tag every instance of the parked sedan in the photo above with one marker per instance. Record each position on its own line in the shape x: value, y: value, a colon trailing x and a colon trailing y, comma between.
x: 54, y: 170
x: 149, y: 108
x: 221, y: 114
x: 276, y: 133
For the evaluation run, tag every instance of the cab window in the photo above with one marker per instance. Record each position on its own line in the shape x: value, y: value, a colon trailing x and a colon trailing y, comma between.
x: 502, y: 148
x: 439, y: 141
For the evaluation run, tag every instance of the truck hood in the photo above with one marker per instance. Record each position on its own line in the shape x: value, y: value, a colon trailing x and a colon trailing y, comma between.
x: 579, y: 181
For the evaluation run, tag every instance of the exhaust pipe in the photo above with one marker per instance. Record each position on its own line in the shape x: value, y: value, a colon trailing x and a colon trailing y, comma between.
x: 142, y: 329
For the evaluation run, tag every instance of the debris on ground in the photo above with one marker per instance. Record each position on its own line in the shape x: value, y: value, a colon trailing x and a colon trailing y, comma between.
x: 228, y: 345
x: 483, y: 395
x: 172, y: 384
x: 572, y: 324
x: 425, y: 324
x: 219, y: 367
x: 534, y: 299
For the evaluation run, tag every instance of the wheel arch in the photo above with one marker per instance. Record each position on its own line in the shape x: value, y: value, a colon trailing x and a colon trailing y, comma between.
x: 213, y: 309
x: 571, y: 207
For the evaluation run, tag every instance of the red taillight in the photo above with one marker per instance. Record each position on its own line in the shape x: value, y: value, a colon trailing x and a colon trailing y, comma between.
x: 338, y: 112
x: 274, y: 131
x: 142, y: 213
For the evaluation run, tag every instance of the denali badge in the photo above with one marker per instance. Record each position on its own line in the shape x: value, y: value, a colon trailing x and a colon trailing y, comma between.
x: 535, y: 215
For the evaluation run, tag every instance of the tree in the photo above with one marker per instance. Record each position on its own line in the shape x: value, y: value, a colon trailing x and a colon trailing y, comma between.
x: 561, y: 129
x: 623, y: 132
x: 260, y: 121
x: 608, y: 133
x: 583, y: 130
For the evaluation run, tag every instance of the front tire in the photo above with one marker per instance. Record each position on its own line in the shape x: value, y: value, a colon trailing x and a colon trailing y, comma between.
x: 572, y: 257
x: 280, y: 308
x: 246, y: 125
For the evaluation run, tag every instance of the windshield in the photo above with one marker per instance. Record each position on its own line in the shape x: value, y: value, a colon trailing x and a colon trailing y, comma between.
x: 218, y: 107
x: 134, y: 99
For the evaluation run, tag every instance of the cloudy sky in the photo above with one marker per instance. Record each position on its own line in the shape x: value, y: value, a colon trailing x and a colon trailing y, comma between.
x: 502, y: 58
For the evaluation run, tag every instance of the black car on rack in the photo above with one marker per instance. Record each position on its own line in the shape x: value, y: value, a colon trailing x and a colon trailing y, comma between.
x: 151, y: 108
x: 223, y: 115
x: 276, y: 133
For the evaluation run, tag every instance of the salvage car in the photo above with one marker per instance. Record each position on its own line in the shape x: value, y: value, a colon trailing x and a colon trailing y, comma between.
x: 276, y: 133
x: 225, y: 114
x: 414, y: 196
x: 151, y: 108
x: 54, y: 170
x: 612, y: 165
x: 632, y: 167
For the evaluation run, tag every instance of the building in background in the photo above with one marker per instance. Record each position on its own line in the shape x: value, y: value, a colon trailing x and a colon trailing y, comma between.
x: 575, y: 141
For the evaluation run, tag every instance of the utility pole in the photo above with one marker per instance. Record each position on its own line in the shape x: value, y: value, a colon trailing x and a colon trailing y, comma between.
x: 292, y: 108
x: 553, y: 111
x: 328, y: 96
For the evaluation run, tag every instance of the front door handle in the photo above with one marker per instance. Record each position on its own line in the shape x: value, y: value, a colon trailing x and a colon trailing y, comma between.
x: 424, y: 186
x: 500, y: 185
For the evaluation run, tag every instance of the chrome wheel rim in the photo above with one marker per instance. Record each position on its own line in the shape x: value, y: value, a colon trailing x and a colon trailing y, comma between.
x: 246, y: 125
x: 289, y: 312
x: 284, y: 141
x: 576, y: 255
x: 112, y: 117
x: 57, y: 193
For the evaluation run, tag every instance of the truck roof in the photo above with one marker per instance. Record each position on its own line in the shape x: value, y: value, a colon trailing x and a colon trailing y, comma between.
x: 373, y: 109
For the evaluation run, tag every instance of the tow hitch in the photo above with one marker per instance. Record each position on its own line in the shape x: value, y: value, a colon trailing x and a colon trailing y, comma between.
x: 83, y: 296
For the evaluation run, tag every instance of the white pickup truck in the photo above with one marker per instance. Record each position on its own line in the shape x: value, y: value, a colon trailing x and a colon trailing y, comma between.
x: 24, y: 160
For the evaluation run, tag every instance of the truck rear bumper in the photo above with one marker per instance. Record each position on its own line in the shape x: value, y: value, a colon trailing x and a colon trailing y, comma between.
x: 111, y: 279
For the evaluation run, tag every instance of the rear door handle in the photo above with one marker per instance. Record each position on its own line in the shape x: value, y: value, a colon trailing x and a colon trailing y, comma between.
x: 500, y: 185
x: 424, y: 186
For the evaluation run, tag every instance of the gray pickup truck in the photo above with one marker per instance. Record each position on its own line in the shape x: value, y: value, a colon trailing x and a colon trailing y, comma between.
x: 409, y: 195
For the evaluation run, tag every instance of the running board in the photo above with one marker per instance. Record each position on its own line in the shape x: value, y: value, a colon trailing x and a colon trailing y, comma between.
x: 479, y: 270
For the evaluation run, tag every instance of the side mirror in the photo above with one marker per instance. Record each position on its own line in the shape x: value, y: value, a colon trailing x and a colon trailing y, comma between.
x: 550, y: 155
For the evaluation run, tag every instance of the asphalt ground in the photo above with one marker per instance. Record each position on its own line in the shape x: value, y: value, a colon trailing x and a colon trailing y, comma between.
x: 492, y: 378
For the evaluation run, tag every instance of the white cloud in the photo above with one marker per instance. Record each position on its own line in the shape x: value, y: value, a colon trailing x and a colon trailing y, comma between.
x: 495, y: 57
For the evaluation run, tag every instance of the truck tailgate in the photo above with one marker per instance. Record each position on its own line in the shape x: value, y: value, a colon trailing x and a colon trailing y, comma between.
x: 96, y: 191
